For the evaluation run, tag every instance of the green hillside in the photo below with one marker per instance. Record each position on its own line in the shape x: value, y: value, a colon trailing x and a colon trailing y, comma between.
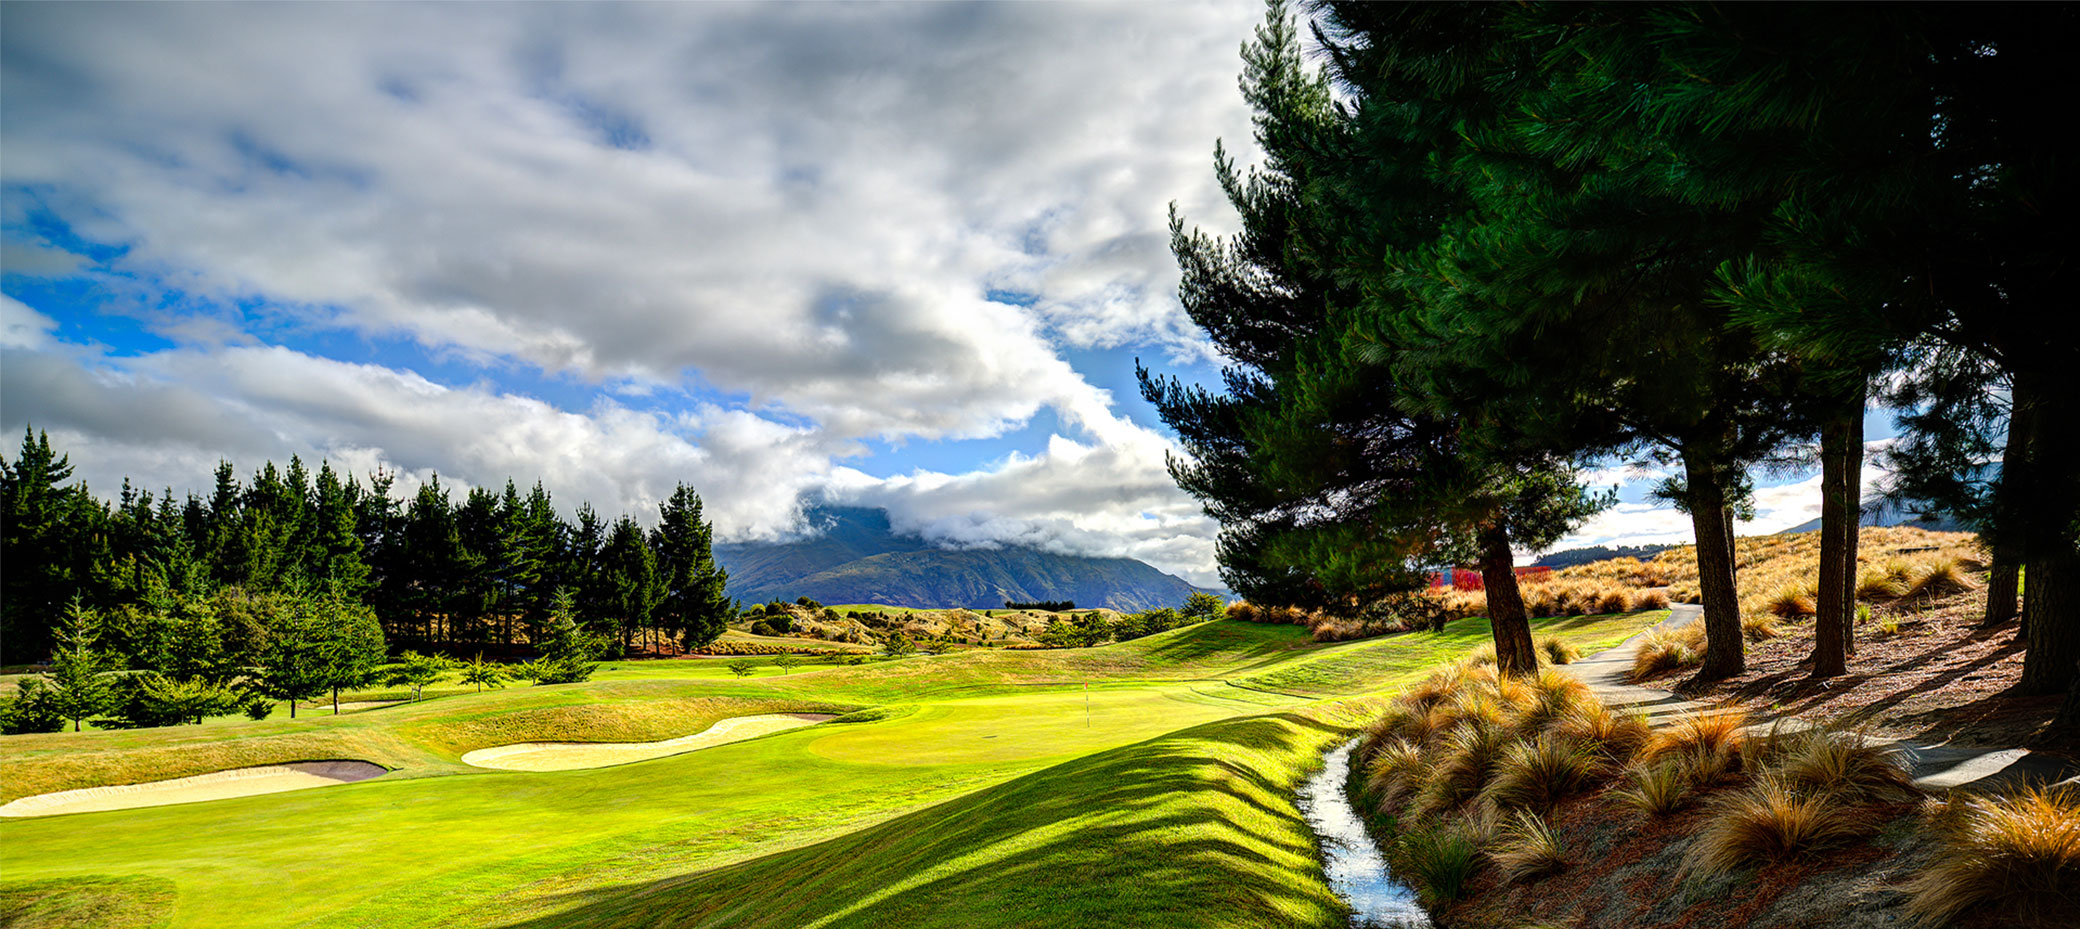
x: 1063, y: 787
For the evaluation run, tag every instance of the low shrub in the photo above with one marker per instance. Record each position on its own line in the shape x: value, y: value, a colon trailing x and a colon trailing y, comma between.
x: 1771, y: 821
x: 2018, y: 852
x: 1528, y: 849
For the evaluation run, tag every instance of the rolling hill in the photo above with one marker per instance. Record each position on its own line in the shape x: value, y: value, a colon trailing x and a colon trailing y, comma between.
x: 857, y: 557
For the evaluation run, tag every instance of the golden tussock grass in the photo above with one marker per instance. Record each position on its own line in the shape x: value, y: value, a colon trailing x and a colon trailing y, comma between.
x: 1558, y: 651
x: 1540, y: 773
x: 2018, y: 852
x: 1768, y: 821
x: 1527, y: 849
x: 1842, y: 763
x: 1664, y: 650
x: 1658, y: 789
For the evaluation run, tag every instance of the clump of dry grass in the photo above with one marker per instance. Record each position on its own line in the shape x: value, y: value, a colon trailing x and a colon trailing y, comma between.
x: 1540, y: 773
x: 1528, y: 849
x: 2020, y: 852
x: 1939, y: 579
x: 1615, y: 737
x: 1772, y: 821
x: 1469, y: 756
x: 1707, y: 746
x: 1550, y: 696
x: 1844, y: 764
x: 1396, y: 770
x: 1879, y: 586
x: 1664, y: 650
x: 1483, y: 656
x: 1794, y: 600
x: 1559, y: 652
x: 1760, y: 627
x: 1658, y: 789
x: 1651, y: 600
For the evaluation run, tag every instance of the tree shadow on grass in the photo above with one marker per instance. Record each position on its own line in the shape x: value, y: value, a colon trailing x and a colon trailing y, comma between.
x: 1192, y: 829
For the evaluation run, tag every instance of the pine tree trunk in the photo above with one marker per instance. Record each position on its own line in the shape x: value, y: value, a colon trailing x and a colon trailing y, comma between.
x: 1723, y: 655
x: 1841, y: 467
x: 1514, y: 654
x: 2051, y: 598
x: 2003, y: 582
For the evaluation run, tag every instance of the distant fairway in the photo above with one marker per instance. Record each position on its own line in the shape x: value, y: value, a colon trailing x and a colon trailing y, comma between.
x: 982, y: 793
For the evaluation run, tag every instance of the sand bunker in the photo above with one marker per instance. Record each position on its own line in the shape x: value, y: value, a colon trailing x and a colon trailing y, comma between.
x: 237, y: 782
x: 566, y: 756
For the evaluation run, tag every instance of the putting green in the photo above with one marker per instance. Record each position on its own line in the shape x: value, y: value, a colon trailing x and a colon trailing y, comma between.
x: 571, y: 756
x: 1020, y: 728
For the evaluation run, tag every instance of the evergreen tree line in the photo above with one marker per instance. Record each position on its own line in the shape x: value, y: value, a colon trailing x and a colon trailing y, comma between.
x: 479, y: 575
x: 1491, y: 242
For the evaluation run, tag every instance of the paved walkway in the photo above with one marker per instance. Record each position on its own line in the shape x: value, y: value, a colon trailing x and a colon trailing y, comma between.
x: 1935, y: 767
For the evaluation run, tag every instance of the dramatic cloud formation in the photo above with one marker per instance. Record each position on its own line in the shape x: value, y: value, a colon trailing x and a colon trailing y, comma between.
x: 616, y: 247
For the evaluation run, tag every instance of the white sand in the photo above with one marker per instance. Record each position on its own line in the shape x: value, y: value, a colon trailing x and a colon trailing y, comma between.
x: 237, y: 782
x: 566, y: 756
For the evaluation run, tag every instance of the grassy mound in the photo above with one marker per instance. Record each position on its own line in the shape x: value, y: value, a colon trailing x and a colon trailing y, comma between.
x: 1192, y: 829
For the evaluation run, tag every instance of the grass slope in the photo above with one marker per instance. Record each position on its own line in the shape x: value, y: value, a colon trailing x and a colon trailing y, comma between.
x: 980, y: 788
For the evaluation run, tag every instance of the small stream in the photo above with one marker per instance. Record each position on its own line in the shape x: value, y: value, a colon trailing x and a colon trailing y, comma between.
x: 1355, y: 868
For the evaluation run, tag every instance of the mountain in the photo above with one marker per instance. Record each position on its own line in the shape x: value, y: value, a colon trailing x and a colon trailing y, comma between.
x: 855, y: 556
x: 1889, y: 518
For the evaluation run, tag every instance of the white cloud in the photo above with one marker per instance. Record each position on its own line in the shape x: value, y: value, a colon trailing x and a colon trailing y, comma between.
x: 812, y: 205
x: 804, y: 206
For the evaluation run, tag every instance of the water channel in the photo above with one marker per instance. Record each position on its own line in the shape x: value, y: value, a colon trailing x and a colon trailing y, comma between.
x: 1356, y: 870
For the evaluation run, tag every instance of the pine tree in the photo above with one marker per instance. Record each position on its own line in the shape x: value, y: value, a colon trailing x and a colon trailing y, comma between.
x: 78, y: 687
x: 35, y: 545
x: 692, y: 604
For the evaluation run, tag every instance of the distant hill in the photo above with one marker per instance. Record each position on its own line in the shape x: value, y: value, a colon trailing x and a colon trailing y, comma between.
x: 1880, y: 517
x: 1575, y: 556
x: 854, y: 556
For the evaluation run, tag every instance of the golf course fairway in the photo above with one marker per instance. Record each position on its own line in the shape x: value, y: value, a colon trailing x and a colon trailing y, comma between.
x: 1144, y: 783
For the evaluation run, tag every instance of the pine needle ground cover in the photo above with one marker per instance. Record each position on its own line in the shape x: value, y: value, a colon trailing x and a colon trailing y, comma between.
x: 980, y: 788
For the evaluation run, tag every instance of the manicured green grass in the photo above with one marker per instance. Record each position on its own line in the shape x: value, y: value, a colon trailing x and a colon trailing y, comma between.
x: 1143, y: 783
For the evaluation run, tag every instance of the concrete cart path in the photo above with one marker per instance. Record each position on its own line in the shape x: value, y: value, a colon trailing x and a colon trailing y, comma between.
x: 1935, y: 767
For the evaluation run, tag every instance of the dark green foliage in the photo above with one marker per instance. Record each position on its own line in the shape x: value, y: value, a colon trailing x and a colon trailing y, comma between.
x: 692, y: 603
x: 33, y: 708
x: 147, y: 698
x: 568, y: 651
x: 898, y: 645
x: 811, y: 604
x: 79, y: 688
x: 181, y: 587
x: 416, y: 671
x: 1078, y: 630
x: 1200, y: 607
x: 1047, y: 606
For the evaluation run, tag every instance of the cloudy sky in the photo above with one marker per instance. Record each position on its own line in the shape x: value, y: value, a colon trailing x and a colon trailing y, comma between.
x: 901, y: 255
